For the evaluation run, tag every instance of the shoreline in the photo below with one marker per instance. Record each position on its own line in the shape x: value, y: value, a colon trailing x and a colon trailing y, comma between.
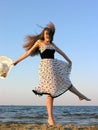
x: 28, y: 126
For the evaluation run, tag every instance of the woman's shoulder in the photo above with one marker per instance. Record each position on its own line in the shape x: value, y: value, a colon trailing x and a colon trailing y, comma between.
x: 39, y: 42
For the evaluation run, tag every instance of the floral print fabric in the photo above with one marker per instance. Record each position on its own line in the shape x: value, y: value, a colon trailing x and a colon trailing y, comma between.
x: 53, y: 76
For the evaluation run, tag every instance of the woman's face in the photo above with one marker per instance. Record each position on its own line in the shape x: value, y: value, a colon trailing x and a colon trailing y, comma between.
x: 47, y: 37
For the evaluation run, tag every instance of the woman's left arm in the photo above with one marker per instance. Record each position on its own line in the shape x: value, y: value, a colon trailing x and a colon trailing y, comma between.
x: 63, y: 54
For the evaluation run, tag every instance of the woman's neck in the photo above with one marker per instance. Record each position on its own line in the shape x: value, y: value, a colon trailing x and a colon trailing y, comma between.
x: 47, y: 42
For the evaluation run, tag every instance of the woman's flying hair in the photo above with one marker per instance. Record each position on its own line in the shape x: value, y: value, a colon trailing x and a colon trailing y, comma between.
x: 31, y: 39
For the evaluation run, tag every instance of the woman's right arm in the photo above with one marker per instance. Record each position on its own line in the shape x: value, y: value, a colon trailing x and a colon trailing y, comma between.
x: 26, y: 54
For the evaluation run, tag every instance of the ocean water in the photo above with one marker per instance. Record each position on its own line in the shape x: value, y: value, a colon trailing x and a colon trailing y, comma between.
x: 77, y: 115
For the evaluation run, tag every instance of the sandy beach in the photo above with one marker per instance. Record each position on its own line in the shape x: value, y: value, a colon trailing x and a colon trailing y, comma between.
x: 22, y: 126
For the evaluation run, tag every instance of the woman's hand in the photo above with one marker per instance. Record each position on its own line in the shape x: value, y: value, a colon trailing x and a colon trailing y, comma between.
x: 70, y: 63
x: 14, y: 63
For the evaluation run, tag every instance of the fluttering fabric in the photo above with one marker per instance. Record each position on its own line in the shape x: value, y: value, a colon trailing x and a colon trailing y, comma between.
x: 54, y: 75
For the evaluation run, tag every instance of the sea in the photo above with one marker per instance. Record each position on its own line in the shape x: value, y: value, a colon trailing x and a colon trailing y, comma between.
x: 77, y: 115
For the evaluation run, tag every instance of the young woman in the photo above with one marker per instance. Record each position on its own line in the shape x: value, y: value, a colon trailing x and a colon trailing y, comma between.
x: 53, y: 73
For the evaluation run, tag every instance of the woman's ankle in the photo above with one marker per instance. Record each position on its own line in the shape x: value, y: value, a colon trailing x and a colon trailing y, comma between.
x: 51, y: 121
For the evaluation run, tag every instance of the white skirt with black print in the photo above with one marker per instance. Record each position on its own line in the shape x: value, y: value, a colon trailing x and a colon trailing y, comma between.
x: 54, y: 77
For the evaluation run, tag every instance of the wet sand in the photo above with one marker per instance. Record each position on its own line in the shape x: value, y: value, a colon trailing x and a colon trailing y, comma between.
x: 22, y: 126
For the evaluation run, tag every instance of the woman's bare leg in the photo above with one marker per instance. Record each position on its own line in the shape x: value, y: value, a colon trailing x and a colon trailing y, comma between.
x: 80, y: 95
x: 49, y: 104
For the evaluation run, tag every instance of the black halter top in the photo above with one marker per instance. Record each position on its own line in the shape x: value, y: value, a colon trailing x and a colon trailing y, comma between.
x: 47, y: 51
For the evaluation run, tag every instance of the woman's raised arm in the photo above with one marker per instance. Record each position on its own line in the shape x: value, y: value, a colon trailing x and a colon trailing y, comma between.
x: 27, y: 53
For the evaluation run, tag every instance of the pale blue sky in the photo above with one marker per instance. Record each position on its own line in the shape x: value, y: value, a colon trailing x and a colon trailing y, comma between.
x: 76, y: 24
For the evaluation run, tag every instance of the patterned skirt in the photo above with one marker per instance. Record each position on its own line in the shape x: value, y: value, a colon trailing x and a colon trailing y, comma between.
x: 54, y: 77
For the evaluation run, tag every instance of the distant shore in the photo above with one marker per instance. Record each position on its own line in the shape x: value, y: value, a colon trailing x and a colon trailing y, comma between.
x: 24, y: 126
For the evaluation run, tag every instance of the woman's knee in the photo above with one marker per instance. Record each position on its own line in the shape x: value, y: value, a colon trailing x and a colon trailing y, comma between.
x: 49, y: 97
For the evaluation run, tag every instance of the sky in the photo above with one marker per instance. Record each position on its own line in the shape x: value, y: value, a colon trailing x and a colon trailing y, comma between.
x: 76, y: 23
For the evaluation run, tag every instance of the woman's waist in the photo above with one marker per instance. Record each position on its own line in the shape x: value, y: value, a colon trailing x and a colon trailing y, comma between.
x: 47, y: 56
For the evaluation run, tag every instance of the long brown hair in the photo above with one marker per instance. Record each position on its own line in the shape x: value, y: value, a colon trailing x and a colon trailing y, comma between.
x: 31, y: 39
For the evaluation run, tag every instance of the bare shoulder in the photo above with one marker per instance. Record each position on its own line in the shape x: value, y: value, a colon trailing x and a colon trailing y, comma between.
x: 55, y: 46
x: 38, y: 42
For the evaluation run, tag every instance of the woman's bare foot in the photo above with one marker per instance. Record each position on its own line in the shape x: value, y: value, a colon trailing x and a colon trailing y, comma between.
x: 80, y: 95
x: 51, y: 121
x: 84, y: 98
